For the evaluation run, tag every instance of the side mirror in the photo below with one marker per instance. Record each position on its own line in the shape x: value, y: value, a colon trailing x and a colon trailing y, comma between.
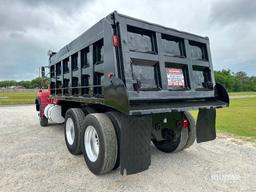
x: 42, y: 72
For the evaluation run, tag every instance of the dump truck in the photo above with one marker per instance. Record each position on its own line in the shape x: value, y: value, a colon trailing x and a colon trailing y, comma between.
x: 125, y: 85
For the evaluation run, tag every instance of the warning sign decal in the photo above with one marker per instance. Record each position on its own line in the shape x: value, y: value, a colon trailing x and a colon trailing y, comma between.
x: 175, y: 78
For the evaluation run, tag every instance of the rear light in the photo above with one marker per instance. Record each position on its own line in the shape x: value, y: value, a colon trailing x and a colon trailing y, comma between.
x: 110, y: 75
x: 115, y: 40
x: 185, y: 123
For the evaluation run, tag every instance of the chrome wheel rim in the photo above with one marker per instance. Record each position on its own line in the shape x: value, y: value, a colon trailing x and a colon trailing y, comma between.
x: 70, y: 131
x: 91, y: 142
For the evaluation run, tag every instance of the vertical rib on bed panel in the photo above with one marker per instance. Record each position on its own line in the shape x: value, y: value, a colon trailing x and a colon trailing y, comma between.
x: 62, y: 77
x: 91, y: 68
x: 53, y: 80
x: 79, y: 73
x: 161, y: 60
x: 190, y: 70
x: 70, y: 76
x: 55, y: 77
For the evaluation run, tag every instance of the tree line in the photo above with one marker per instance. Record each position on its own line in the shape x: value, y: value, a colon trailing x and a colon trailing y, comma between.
x: 233, y: 82
x: 33, y: 84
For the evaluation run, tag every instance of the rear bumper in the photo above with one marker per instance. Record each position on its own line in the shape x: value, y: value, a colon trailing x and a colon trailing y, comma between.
x: 116, y: 97
x: 220, y: 100
x: 143, y: 108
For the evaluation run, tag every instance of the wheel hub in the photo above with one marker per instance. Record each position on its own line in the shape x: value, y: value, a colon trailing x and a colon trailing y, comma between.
x: 91, y: 141
x: 70, y: 131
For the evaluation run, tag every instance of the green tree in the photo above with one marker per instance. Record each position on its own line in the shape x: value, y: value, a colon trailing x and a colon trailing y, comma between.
x: 39, y: 82
x: 235, y: 81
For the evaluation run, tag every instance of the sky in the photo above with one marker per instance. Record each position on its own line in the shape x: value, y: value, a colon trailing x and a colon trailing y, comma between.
x: 29, y: 28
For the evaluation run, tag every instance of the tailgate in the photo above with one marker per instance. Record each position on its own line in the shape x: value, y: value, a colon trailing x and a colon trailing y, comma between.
x: 161, y: 63
x: 165, y: 70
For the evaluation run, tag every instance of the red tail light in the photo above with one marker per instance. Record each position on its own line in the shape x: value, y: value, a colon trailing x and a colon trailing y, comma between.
x: 115, y: 40
x: 109, y: 75
x: 185, y: 123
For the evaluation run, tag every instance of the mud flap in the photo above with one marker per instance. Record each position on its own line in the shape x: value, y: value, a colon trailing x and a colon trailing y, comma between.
x: 135, y: 138
x: 205, y: 126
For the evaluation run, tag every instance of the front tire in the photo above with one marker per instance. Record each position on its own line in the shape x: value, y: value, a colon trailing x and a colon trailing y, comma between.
x: 99, y: 143
x: 72, y: 130
x: 43, y: 121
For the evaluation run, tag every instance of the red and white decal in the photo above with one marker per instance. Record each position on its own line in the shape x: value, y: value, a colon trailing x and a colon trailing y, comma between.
x: 175, y: 78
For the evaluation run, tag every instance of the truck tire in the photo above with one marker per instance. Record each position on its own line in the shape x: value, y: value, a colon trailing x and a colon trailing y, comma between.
x: 37, y: 103
x: 43, y: 121
x: 191, y: 130
x: 115, y: 118
x: 169, y: 146
x: 99, y: 143
x: 72, y: 130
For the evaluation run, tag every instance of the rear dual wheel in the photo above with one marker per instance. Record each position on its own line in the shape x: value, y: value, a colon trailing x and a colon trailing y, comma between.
x: 185, y: 140
x: 173, y: 145
x: 99, y: 143
x: 191, y: 130
x: 95, y: 136
x: 72, y: 128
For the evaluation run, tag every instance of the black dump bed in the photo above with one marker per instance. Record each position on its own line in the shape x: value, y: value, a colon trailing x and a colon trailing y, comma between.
x: 136, y: 67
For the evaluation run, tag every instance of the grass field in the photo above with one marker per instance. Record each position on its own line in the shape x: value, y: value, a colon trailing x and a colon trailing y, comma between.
x: 242, y: 93
x: 16, y: 98
x: 238, y: 120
